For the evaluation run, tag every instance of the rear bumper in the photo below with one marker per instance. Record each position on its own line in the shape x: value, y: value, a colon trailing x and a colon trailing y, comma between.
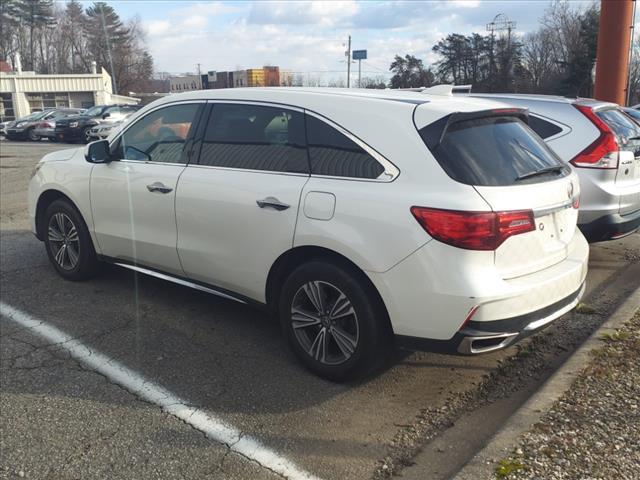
x: 484, y: 337
x: 610, y: 227
x: 432, y: 293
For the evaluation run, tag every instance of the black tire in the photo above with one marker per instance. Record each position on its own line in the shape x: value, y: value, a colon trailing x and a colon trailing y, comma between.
x: 369, y: 333
x: 85, y: 135
x: 31, y: 135
x: 57, y: 233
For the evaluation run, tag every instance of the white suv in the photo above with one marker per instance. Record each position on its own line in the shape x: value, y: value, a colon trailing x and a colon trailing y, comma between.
x: 603, y: 144
x: 355, y: 216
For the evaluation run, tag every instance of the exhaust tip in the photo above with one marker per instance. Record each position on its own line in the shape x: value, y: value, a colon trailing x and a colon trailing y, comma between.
x: 486, y: 343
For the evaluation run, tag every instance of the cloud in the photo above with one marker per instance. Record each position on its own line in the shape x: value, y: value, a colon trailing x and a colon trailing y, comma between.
x: 319, y: 12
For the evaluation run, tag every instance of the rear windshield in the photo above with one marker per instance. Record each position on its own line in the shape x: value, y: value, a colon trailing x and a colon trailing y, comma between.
x: 626, y: 130
x: 493, y: 151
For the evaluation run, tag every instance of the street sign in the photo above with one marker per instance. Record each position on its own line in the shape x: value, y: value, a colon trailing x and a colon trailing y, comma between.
x: 359, y: 54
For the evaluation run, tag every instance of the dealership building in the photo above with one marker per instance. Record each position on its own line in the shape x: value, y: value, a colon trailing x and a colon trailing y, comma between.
x: 24, y: 92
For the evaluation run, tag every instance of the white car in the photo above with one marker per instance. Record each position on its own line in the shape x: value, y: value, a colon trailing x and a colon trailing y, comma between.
x: 103, y: 130
x: 603, y: 144
x: 355, y: 216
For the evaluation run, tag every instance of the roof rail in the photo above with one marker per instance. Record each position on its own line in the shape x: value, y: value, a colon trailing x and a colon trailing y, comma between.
x: 446, y: 89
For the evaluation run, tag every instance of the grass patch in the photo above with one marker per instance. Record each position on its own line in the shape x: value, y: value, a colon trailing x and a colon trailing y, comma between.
x: 507, y: 467
x: 585, y: 309
x: 617, y: 336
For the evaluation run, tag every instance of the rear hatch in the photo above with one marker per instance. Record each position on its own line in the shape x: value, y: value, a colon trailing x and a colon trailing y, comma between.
x: 532, y: 192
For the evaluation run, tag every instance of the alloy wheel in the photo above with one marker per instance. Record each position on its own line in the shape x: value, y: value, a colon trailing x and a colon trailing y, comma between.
x: 325, y: 323
x: 64, y: 241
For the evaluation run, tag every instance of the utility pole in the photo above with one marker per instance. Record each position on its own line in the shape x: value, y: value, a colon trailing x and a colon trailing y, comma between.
x: 348, y: 55
x: 359, y: 73
x: 106, y: 36
x: 199, y: 77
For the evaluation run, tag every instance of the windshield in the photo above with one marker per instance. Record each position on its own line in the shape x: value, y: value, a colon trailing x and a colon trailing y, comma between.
x: 33, y: 116
x: 495, y: 151
x: 93, y: 112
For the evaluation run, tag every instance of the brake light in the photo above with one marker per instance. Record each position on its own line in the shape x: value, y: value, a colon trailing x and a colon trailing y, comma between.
x: 603, y: 152
x: 473, y: 230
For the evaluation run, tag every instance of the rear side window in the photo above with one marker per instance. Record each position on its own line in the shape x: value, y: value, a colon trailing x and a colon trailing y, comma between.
x: 491, y: 151
x: 333, y: 154
x: 542, y: 127
x: 255, y: 137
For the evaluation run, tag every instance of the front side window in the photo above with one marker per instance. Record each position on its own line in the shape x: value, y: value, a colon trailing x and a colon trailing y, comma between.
x: 255, y: 137
x: 333, y: 154
x: 159, y: 136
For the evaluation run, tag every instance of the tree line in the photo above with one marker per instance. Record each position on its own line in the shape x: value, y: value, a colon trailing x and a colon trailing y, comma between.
x: 558, y: 58
x: 67, y: 38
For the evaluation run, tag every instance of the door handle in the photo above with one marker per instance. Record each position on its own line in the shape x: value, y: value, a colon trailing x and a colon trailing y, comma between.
x: 273, y: 203
x: 159, y: 187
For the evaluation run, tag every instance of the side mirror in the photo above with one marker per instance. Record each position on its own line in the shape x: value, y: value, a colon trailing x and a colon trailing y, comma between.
x: 106, y: 115
x: 98, y: 152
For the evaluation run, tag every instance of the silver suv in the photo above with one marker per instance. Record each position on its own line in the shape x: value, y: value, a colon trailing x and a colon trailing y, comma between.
x: 603, y: 144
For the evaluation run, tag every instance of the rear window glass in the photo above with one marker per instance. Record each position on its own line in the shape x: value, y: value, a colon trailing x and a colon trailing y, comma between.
x: 542, y: 127
x: 623, y: 127
x: 492, y: 151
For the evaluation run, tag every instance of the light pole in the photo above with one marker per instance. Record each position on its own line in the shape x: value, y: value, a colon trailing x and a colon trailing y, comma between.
x: 348, y: 55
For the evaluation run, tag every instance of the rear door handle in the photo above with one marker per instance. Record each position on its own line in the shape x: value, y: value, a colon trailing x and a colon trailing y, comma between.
x: 159, y: 187
x: 273, y: 203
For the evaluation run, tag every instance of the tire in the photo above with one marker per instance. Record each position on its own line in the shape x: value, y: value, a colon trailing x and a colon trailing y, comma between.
x: 52, y: 139
x: 85, y: 135
x: 31, y: 135
x: 353, y: 344
x: 72, y: 255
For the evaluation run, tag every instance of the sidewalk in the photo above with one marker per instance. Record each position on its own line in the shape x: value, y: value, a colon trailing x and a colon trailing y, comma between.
x: 592, y: 431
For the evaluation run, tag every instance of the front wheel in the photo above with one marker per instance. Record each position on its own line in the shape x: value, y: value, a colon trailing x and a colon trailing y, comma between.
x: 333, y: 321
x: 68, y: 242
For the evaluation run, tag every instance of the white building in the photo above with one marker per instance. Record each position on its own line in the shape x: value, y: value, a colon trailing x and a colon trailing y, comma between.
x: 24, y: 92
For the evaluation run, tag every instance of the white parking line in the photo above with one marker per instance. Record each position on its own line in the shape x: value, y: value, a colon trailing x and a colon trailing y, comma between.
x: 212, y: 427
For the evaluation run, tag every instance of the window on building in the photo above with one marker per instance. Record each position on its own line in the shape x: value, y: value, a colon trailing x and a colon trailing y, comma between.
x: 6, y: 108
x: 159, y: 136
x: 255, y: 137
x: 333, y: 154
x: 45, y: 101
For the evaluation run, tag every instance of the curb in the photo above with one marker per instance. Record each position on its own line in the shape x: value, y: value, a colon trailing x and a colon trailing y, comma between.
x: 483, y: 463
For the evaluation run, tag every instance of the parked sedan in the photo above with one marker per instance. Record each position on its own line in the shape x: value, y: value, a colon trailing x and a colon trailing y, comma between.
x: 78, y: 127
x: 603, y: 144
x: 355, y: 217
x: 102, y: 131
x: 27, y: 128
x: 45, y: 127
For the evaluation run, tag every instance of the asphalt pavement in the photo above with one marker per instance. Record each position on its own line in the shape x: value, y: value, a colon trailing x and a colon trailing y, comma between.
x: 61, y: 419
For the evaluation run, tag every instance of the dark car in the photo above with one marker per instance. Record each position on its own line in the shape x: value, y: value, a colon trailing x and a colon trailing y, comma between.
x: 22, y: 128
x: 78, y: 127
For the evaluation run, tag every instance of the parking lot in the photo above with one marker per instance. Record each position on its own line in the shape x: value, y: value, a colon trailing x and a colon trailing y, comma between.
x: 65, y: 420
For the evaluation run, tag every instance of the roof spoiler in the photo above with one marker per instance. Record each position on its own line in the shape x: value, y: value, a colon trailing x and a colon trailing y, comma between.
x: 434, y: 133
x: 447, y: 90
x: 444, y: 90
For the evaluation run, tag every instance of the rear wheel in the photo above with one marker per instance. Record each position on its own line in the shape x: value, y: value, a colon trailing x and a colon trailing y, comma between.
x: 333, y: 322
x: 86, y: 135
x: 31, y: 135
x: 68, y: 242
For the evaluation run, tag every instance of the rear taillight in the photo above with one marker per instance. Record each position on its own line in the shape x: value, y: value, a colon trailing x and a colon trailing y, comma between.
x: 473, y: 230
x: 603, y: 153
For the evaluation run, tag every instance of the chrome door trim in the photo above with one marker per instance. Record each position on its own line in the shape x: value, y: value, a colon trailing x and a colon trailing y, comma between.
x: 179, y: 281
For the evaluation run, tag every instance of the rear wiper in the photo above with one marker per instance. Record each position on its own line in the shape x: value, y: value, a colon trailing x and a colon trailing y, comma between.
x: 554, y: 168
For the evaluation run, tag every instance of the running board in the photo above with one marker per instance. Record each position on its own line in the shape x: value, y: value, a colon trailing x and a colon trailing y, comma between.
x: 179, y: 281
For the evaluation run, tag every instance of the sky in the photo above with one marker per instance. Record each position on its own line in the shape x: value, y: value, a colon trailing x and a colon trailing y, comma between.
x: 309, y: 36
